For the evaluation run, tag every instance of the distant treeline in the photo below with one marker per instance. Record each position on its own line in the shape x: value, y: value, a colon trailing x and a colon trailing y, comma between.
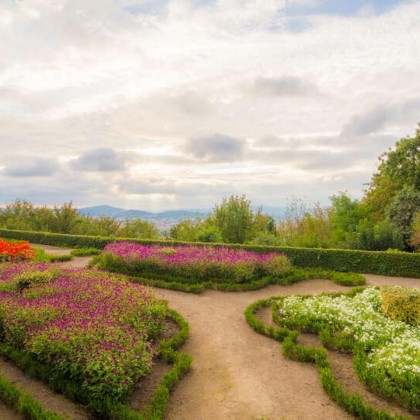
x: 23, y: 215
x: 387, y: 217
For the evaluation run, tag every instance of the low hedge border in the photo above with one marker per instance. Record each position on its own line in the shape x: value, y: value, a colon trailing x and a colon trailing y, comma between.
x: 352, y: 403
x: 117, y: 265
x: 23, y: 403
x: 85, y: 252
x: 155, y: 410
x: 42, y: 256
x: 373, y: 262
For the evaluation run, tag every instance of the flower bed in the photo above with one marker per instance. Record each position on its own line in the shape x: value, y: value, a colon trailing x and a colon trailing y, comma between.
x: 92, y: 329
x: 16, y: 251
x: 193, y: 264
x: 387, y: 352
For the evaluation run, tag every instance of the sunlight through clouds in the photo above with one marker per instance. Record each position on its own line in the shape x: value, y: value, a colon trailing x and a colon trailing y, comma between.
x: 263, y: 98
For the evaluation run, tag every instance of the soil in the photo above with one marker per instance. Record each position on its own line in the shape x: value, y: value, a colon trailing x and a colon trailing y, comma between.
x: 7, y: 413
x: 238, y: 374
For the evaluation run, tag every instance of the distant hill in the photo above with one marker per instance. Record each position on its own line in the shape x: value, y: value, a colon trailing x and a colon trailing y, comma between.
x: 174, y: 215
x: 98, y: 211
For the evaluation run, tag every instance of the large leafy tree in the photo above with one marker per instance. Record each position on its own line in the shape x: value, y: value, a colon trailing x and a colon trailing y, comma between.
x: 234, y: 219
x: 398, y: 168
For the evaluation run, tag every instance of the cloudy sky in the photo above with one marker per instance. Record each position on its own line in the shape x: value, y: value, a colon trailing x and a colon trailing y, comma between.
x: 160, y: 104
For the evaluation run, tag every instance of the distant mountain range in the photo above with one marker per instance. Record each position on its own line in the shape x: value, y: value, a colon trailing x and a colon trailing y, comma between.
x: 118, y: 213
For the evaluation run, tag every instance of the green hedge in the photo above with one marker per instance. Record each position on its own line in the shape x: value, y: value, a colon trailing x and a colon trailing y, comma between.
x: 373, y: 262
x: 23, y: 402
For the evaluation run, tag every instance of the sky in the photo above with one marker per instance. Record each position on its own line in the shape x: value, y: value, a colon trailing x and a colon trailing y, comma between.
x: 169, y: 104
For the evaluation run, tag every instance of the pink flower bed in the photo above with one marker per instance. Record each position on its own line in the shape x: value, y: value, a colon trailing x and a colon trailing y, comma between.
x: 90, y: 326
x: 192, y: 263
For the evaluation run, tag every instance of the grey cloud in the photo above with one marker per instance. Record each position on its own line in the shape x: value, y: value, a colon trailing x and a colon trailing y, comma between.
x: 216, y: 148
x: 367, y: 123
x: 318, y: 154
x: 27, y: 166
x: 100, y: 160
x: 282, y: 86
x: 380, y: 117
x: 167, y: 187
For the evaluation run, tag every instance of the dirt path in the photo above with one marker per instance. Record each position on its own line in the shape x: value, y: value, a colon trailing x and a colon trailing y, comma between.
x: 7, y: 413
x: 238, y: 374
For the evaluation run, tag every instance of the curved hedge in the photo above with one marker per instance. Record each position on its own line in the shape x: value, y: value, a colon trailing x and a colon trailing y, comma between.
x: 373, y: 262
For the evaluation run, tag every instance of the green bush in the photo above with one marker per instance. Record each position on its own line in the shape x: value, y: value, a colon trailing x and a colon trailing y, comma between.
x: 85, y: 252
x: 373, y: 262
x: 401, y: 304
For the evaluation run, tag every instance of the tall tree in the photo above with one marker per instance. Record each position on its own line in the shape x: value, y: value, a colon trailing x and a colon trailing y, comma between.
x: 234, y: 219
x: 398, y: 168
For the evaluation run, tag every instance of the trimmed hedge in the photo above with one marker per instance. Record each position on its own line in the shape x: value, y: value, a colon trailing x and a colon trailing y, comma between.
x: 373, y: 262
x: 23, y: 402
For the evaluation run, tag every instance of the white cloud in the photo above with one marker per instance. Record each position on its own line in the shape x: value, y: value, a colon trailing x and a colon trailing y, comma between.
x: 77, y: 76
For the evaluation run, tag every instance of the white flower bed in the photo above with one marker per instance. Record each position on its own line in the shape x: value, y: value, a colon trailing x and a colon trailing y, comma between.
x: 392, y: 347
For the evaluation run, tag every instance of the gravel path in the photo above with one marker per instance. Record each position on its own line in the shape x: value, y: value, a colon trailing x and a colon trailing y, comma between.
x: 238, y: 374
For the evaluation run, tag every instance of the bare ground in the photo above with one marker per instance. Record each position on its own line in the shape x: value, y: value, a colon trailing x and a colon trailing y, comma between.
x: 238, y: 374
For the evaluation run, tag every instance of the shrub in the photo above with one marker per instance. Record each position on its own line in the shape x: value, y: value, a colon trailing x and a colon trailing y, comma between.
x: 278, y: 266
x: 85, y: 252
x: 401, y: 304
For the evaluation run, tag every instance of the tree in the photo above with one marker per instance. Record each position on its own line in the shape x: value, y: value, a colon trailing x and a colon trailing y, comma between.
x: 402, y: 210
x: 415, y: 237
x: 234, y: 219
x: 65, y: 218
x: 347, y: 217
x: 399, y: 168
x: 186, y: 230
x: 137, y: 228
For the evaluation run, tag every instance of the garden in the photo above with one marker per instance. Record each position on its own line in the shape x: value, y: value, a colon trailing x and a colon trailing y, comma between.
x: 100, y: 334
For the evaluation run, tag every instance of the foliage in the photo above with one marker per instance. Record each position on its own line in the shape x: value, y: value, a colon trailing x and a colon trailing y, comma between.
x: 23, y: 402
x: 210, y: 234
x: 194, y: 264
x: 387, y: 350
x: 401, y: 304
x: 65, y: 219
x: 166, y: 350
x: 398, y: 171
x: 187, y: 230
x: 85, y: 252
x: 386, y: 263
x: 266, y: 238
x: 305, y: 226
x: 15, y: 251
x: 352, y: 403
x: 88, y: 326
x: 415, y: 237
x: 398, y: 168
x: 234, y: 219
x: 403, y: 209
